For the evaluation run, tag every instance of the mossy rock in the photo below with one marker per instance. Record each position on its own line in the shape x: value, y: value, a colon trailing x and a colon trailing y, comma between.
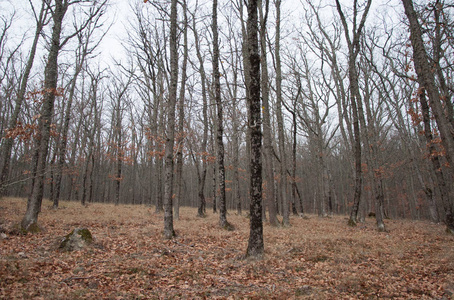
x: 77, y: 239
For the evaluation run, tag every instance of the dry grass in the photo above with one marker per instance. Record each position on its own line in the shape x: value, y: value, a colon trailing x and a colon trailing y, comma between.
x: 313, y: 259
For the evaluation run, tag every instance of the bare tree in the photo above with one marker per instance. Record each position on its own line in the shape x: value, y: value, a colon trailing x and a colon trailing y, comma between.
x: 220, y: 125
x: 204, y: 152
x: 41, y: 20
x: 170, y: 130
x: 353, y: 43
x: 181, y: 117
x: 428, y: 87
x: 83, y: 50
x: 58, y: 11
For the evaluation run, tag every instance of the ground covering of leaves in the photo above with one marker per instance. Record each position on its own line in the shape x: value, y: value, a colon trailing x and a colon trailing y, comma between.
x: 315, y: 258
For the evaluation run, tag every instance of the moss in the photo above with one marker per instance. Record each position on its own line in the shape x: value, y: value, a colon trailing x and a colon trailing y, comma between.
x: 351, y: 223
x: 32, y: 228
x: 71, y: 242
x: 85, y: 234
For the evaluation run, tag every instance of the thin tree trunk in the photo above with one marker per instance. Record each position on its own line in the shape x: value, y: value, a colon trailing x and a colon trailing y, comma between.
x: 427, y: 85
x: 202, y: 179
x: 280, y: 120
x: 8, y: 142
x: 220, y: 125
x: 426, y: 80
x: 443, y: 184
x: 181, y: 133
x: 267, y: 139
x: 170, y: 130
x: 355, y: 98
x: 64, y: 134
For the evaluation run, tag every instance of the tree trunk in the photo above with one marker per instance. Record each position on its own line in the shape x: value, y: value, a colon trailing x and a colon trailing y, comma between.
x: 426, y: 80
x: 267, y: 139
x: 170, y: 131
x: 29, y: 222
x: 255, y: 244
x: 202, y: 178
x: 444, y: 185
x: 427, y: 85
x: 62, y: 145
x: 355, y: 98
x: 181, y: 133
x: 280, y: 120
x: 8, y: 142
x: 220, y: 125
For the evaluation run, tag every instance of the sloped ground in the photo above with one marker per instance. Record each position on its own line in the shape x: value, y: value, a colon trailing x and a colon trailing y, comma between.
x: 313, y: 259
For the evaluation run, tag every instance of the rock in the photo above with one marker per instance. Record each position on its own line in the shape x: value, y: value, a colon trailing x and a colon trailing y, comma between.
x: 78, y: 239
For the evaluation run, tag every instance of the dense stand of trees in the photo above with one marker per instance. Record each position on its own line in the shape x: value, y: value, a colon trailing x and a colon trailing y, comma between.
x: 355, y: 109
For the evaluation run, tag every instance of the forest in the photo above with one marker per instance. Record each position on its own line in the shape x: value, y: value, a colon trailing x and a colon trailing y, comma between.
x: 277, y: 111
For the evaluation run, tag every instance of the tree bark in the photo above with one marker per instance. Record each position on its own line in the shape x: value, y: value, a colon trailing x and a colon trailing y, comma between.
x: 201, y: 212
x: 267, y: 139
x: 8, y: 143
x: 170, y: 130
x: 220, y: 125
x: 181, y: 133
x: 30, y: 220
x: 255, y: 244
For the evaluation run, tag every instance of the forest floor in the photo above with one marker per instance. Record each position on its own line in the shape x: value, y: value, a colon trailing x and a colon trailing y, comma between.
x: 315, y: 258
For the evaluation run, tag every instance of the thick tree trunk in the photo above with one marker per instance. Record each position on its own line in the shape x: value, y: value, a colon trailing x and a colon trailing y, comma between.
x: 255, y: 244
x: 30, y: 220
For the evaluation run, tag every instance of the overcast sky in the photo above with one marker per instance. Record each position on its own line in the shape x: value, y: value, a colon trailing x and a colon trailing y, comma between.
x: 119, y: 13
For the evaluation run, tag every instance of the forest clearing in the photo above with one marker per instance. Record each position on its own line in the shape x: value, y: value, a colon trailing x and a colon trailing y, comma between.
x: 315, y: 258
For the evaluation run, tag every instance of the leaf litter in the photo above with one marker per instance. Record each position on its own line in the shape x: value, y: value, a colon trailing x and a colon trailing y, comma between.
x: 315, y: 258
